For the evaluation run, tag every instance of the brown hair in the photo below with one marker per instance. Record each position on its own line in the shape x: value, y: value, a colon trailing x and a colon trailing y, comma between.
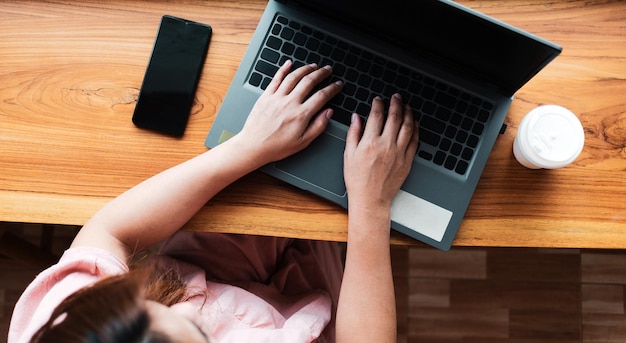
x: 113, y: 309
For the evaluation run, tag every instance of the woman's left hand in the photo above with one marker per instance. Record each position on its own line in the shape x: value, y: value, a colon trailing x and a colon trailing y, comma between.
x: 287, y: 117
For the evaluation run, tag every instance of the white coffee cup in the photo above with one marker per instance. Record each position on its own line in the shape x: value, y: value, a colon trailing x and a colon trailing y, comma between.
x: 550, y: 137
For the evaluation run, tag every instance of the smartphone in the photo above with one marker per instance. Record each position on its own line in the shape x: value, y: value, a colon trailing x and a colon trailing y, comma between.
x: 169, y: 84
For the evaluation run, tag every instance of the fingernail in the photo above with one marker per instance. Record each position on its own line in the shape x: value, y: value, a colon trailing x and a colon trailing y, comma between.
x: 313, y: 65
x: 286, y: 62
x: 354, y: 118
x: 329, y: 113
x: 328, y: 67
x: 339, y: 83
x: 397, y: 96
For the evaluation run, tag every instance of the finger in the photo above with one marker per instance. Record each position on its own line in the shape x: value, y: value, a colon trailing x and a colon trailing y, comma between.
x: 354, y: 133
x: 406, y: 128
x: 317, y: 126
x: 414, y: 143
x: 374, y: 125
x: 279, y: 76
x: 311, y: 80
x: 323, y: 96
x: 291, y: 81
x: 395, y: 117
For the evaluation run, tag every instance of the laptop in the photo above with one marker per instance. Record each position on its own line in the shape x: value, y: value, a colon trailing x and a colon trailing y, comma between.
x: 458, y: 69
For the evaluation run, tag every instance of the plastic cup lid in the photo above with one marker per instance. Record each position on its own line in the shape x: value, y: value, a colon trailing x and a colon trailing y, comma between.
x: 551, y: 137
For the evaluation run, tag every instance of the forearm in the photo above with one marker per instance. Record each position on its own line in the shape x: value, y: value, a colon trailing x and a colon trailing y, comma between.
x: 367, y: 310
x: 154, y: 209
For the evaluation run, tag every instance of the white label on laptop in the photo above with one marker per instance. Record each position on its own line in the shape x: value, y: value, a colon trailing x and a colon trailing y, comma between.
x: 420, y: 215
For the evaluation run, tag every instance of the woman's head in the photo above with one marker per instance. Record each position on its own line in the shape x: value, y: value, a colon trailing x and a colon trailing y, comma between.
x: 129, y: 308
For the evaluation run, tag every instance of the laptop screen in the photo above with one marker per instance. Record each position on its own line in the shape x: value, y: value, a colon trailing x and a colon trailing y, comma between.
x: 450, y: 35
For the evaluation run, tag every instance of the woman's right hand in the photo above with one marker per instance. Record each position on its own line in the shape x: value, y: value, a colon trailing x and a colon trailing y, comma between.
x: 377, y: 163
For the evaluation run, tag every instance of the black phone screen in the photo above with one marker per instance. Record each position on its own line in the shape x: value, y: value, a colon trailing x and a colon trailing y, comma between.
x: 172, y: 76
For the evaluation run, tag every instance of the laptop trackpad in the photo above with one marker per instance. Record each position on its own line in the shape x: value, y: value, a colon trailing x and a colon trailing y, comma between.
x: 320, y: 164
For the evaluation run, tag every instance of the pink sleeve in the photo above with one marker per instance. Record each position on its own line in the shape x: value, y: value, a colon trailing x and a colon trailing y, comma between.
x: 78, y: 267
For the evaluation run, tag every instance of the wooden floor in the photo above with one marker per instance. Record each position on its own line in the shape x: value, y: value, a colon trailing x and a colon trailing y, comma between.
x: 486, y: 295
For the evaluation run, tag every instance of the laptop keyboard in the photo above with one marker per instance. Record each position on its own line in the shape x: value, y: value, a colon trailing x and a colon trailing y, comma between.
x: 451, y: 121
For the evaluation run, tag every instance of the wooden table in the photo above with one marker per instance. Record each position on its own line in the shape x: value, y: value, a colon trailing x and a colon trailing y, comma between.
x: 70, y: 72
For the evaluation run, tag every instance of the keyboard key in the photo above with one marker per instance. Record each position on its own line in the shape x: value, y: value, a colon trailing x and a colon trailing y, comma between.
x: 472, y: 111
x: 350, y: 104
x: 299, y: 39
x: 439, y: 158
x: 472, y: 141
x: 314, y: 58
x: 363, y: 66
x: 425, y: 155
x: 389, y: 90
x: 461, y: 106
x: 429, y: 108
x: 352, y: 75
x: 445, y: 144
x: 338, y: 54
x: 433, y: 124
x: 478, y: 128
x: 287, y: 33
x: 428, y: 92
x: 255, y: 79
x: 325, y: 49
x: 362, y: 94
x: 300, y: 54
x: 445, y: 99
x: 416, y: 103
x: 306, y: 30
x: 450, y: 162
x: 319, y: 35
x: 349, y: 89
x: 288, y: 48
x: 276, y: 29
x: 339, y: 69
x: 377, y: 86
x: 467, y: 154
x: 467, y: 124
x: 342, y: 116
x: 266, y: 68
x: 456, y: 149
x: 483, y: 115
x: 461, y: 136
x: 266, y: 81
x: 274, y: 42
x: 376, y: 70
x: 363, y: 109
x: 450, y: 131
x: 389, y: 76
x: 270, y: 55
x: 364, y: 80
x: 402, y: 81
x: 456, y: 119
x: 312, y: 44
x: 429, y: 138
x: 461, y: 167
x: 351, y: 60
x: 443, y: 113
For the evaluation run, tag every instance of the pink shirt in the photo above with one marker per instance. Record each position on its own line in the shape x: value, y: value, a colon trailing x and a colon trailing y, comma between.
x: 233, y: 314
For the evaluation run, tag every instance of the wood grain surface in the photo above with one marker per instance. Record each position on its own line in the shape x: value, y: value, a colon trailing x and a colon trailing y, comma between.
x: 70, y: 72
